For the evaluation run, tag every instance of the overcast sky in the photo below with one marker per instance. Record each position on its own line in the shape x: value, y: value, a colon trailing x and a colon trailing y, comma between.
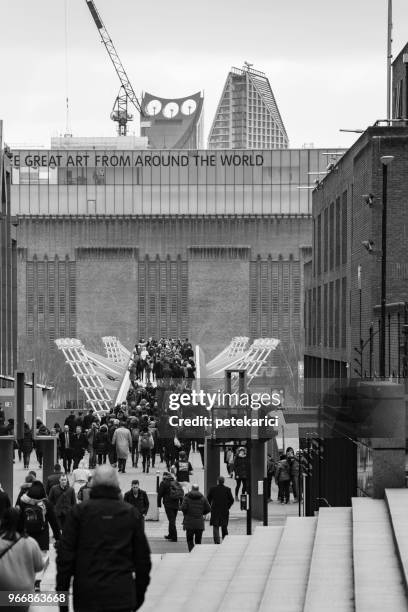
x: 326, y: 61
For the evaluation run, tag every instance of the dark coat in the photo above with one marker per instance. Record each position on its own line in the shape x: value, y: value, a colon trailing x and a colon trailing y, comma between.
x: 43, y: 538
x: 53, y: 479
x: 194, y: 507
x: 241, y: 467
x: 220, y: 498
x: 101, y: 442
x: 282, y: 472
x: 79, y: 444
x: 102, y: 544
x: 26, y: 443
x: 62, y: 440
x: 62, y: 499
x: 88, y: 420
x: 141, y: 502
x: 5, y: 503
x: 163, y: 494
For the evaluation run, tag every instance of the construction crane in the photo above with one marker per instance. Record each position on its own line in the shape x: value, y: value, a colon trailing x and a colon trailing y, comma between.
x: 126, y: 93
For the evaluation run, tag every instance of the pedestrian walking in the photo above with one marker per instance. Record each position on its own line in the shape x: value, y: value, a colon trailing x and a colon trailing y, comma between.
x: 104, y: 523
x: 184, y: 470
x: 37, y: 515
x: 170, y: 493
x: 146, y: 444
x: 79, y: 477
x: 26, y: 445
x: 53, y: 478
x: 122, y: 440
x: 20, y: 557
x: 241, y: 471
x: 194, y: 507
x: 138, y: 498
x: 66, y: 443
x: 63, y: 498
x: 92, y: 436
x: 282, y: 479
x: 85, y: 491
x: 79, y: 444
x: 101, y: 444
x: 293, y: 463
x: 270, y: 473
x: 220, y: 499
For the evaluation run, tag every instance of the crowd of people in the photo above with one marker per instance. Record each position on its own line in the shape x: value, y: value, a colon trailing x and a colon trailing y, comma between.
x: 81, y: 503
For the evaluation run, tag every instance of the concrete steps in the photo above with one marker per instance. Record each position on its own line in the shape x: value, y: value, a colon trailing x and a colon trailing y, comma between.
x: 287, y: 582
x: 331, y: 569
x: 378, y: 583
x: 397, y: 502
x: 248, y: 581
x: 345, y: 559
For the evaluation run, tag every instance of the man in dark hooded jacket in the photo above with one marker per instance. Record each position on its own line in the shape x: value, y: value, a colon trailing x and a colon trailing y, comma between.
x: 103, y: 545
x: 194, y: 507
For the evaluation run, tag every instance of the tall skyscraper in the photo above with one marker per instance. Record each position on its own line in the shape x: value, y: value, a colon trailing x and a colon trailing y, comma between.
x: 247, y: 115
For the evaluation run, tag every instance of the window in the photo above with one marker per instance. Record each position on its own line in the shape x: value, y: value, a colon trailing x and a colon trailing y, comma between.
x: 338, y: 233
x: 331, y: 236
x: 344, y: 228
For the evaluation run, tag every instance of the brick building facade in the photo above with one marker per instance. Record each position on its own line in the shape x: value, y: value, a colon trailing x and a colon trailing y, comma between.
x: 201, y: 244
x: 343, y: 281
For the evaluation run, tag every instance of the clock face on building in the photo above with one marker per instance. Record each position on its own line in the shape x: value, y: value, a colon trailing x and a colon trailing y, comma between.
x: 188, y: 107
x: 153, y: 107
x: 171, y: 110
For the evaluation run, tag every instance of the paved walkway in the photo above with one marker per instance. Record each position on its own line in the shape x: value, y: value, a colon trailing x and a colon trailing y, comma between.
x: 156, y: 530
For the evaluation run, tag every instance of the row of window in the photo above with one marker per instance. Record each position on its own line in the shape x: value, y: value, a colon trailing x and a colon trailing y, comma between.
x: 326, y: 315
x: 330, y: 236
x: 274, y: 300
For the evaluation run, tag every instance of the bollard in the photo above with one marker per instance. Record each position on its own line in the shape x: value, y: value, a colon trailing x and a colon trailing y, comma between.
x: 265, y: 502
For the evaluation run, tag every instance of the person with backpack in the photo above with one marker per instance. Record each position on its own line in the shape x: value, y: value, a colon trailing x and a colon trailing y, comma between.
x: 194, y: 507
x: 37, y: 514
x: 282, y: 479
x: 20, y: 557
x: 146, y: 444
x: 63, y: 498
x: 171, y: 494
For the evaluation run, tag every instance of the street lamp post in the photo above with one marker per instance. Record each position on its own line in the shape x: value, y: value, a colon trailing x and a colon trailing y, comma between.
x: 386, y: 160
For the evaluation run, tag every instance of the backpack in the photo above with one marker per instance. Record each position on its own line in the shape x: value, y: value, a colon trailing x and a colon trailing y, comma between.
x: 34, y: 521
x: 145, y: 441
x: 176, y: 492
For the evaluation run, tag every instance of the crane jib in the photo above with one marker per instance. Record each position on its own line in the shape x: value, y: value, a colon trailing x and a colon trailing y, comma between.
x: 94, y: 14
